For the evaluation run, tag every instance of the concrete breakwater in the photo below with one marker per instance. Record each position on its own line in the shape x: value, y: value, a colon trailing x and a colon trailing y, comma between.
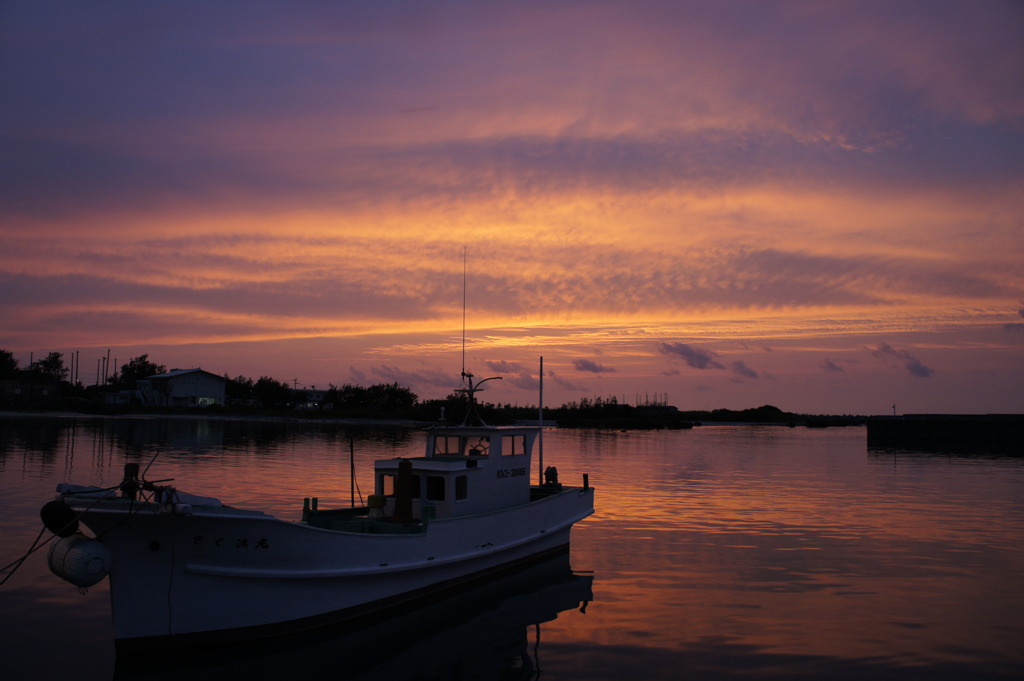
x: 1002, y: 432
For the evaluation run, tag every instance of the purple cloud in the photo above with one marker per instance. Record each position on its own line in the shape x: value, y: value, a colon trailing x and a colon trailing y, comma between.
x: 698, y: 358
x: 913, y: 365
x: 515, y: 373
x: 740, y: 368
x: 503, y: 367
x: 414, y: 378
x: 829, y: 365
x: 593, y: 367
x: 568, y: 385
x: 916, y: 368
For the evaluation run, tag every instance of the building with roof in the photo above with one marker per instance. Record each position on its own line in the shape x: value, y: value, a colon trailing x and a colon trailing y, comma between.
x: 29, y: 393
x: 182, y: 388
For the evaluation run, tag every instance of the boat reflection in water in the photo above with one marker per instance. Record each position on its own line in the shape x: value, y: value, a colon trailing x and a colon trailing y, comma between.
x: 490, y: 631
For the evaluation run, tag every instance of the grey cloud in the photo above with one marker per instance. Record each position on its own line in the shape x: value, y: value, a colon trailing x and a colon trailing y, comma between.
x: 89, y: 176
x: 503, y: 367
x: 830, y: 366
x: 314, y: 295
x: 812, y: 113
x: 413, y: 378
x: 593, y: 367
x: 523, y: 381
x: 740, y: 368
x: 913, y: 365
x: 568, y: 385
x: 698, y: 358
x: 515, y: 374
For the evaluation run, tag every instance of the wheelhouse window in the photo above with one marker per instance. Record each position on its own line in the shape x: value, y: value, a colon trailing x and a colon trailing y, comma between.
x: 513, y: 444
x: 448, y: 445
x: 387, y: 485
x: 435, y: 488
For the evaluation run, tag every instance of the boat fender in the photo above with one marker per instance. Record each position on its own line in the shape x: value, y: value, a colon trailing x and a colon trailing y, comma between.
x: 182, y: 509
x: 80, y: 560
x: 59, y: 518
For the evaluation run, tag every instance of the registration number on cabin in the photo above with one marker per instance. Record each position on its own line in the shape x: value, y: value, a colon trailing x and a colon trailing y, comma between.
x: 512, y: 472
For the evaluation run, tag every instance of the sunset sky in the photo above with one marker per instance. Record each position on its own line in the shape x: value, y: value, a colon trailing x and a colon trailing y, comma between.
x: 814, y: 205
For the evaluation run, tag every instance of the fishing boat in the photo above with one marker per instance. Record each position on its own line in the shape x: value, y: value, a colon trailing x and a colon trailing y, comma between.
x: 188, y: 570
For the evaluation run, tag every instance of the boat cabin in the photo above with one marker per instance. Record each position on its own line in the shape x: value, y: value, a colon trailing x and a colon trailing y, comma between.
x: 465, y: 470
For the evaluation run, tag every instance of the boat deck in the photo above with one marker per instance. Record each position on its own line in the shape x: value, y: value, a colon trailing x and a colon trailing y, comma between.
x: 358, y: 519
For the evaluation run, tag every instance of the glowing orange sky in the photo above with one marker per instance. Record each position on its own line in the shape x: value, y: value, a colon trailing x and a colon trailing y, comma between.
x: 733, y: 204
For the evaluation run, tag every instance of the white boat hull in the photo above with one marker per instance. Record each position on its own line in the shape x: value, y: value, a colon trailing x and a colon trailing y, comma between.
x: 219, y: 573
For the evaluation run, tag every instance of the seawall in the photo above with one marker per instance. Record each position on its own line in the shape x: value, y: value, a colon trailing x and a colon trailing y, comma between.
x: 1006, y: 431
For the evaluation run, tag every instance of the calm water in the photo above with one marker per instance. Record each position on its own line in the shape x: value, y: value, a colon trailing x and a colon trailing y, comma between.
x: 718, y: 553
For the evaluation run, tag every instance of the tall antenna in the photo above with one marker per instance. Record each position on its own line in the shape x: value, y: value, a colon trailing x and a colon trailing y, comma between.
x: 540, y: 426
x: 464, y: 248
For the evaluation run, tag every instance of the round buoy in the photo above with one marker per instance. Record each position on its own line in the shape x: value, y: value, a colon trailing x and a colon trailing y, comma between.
x: 59, y: 518
x: 80, y: 560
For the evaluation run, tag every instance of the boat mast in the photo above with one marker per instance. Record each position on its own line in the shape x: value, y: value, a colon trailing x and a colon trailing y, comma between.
x: 467, y: 378
x: 540, y: 427
x: 464, y: 249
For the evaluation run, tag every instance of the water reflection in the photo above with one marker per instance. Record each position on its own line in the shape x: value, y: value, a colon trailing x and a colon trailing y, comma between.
x: 722, y: 552
x: 144, y: 436
x: 990, y: 450
x: 490, y: 631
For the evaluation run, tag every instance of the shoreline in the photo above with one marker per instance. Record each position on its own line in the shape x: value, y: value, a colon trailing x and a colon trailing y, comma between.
x: 365, y: 421
x: 267, y: 418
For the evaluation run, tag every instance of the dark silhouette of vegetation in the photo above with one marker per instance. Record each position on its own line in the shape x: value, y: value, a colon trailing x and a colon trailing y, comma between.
x: 390, y: 401
x: 51, y: 367
x: 600, y: 412
x: 377, y: 401
x: 8, y: 365
x: 136, y: 369
x: 38, y: 387
x: 240, y: 389
x: 271, y: 393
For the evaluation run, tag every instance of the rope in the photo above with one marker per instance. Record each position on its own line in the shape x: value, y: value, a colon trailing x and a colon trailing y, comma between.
x: 32, y: 549
x: 36, y: 545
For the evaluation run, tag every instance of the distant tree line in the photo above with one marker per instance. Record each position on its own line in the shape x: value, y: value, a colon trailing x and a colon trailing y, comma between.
x: 51, y: 368
x: 394, y: 401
